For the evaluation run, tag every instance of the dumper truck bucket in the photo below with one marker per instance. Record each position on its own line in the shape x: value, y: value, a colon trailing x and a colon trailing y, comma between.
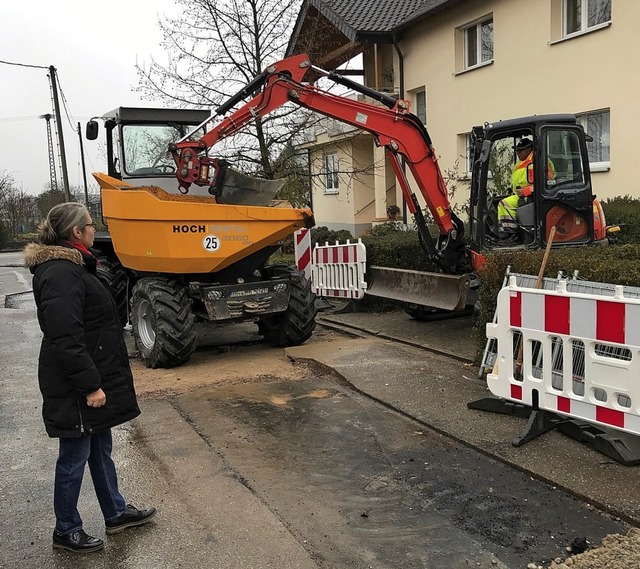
x: 437, y: 290
x: 155, y: 231
x: 239, y: 189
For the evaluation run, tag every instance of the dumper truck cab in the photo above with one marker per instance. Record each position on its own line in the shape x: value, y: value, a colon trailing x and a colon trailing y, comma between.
x: 171, y: 259
x: 137, y: 141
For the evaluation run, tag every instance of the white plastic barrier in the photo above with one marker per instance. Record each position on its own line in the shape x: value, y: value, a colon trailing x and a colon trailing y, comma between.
x: 338, y: 270
x: 580, y: 353
x: 335, y: 270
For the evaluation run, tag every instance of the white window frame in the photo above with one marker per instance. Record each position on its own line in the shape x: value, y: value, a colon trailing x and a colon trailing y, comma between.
x: 582, y: 118
x: 422, y: 116
x: 331, y: 164
x: 584, y: 20
x: 468, y: 158
x: 477, y: 26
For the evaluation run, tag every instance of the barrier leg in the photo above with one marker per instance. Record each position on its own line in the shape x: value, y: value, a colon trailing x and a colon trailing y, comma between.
x: 624, y: 448
x: 621, y: 447
x: 539, y: 422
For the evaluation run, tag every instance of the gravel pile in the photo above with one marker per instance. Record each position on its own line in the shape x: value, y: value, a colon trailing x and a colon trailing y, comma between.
x: 616, y: 552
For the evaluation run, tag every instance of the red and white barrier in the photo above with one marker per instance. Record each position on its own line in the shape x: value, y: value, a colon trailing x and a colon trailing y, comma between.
x: 302, y: 248
x: 580, y: 355
x: 338, y: 270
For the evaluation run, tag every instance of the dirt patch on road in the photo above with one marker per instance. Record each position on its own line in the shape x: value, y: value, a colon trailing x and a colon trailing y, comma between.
x: 245, y: 363
x: 231, y: 364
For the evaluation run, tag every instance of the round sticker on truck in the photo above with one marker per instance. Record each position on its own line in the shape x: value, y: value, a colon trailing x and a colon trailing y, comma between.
x: 211, y: 243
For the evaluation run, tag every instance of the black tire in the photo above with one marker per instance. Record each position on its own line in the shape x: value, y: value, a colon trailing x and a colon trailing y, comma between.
x: 295, y: 325
x: 114, y: 277
x: 162, y: 322
x: 423, y: 313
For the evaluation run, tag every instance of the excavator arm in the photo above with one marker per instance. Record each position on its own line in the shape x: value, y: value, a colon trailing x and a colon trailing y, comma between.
x: 401, y: 133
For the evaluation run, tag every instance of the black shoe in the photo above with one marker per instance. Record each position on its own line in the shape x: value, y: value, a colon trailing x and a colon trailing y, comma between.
x: 77, y: 541
x: 129, y: 518
x: 508, y: 239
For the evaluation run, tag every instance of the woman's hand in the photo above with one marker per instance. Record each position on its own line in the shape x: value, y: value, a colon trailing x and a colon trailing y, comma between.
x: 96, y: 398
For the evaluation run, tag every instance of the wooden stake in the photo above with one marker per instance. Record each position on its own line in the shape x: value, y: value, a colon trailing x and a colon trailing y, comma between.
x: 540, y: 279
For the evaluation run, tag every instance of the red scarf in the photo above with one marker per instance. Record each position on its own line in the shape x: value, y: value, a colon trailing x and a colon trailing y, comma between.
x: 80, y: 247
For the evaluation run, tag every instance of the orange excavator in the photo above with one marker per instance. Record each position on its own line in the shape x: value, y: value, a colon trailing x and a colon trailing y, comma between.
x: 204, y: 255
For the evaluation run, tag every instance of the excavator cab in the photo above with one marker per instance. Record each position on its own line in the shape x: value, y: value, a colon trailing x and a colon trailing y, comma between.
x: 558, y: 173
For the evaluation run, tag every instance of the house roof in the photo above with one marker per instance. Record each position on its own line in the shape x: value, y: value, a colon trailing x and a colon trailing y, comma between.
x: 361, y: 17
x: 364, y: 21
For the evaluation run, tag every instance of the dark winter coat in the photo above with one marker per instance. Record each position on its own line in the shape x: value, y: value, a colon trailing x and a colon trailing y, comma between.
x: 83, y: 347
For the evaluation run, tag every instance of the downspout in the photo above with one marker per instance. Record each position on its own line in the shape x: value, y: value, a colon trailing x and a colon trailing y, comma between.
x: 401, y: 95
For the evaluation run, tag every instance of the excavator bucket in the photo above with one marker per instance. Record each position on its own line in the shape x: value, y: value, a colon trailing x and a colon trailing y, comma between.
x: 240, y: 189
x: 437, y: 290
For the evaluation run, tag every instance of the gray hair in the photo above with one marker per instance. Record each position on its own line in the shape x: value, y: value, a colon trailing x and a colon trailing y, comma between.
x: 61, y: 220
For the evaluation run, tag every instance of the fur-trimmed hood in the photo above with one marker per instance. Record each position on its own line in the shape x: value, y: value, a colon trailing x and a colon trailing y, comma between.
x: 35, y: 254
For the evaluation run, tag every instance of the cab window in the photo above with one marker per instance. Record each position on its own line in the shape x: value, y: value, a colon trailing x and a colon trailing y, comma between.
x: 145, y: 148
x: 564, y: 159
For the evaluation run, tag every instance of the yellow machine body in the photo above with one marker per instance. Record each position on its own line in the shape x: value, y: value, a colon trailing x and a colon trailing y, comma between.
x: 155, y: 231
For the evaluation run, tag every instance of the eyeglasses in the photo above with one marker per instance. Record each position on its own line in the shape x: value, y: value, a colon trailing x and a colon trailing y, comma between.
x: 93, y: 225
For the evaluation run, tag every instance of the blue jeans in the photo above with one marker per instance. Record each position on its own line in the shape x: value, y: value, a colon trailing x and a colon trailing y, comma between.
x: 74, y: 453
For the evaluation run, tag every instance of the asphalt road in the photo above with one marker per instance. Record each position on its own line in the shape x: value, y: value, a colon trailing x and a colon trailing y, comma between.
x: 270, y: 473
x: 363, y: 486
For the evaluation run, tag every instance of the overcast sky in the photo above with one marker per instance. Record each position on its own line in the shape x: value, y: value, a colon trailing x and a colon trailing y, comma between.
x: 94, y: 46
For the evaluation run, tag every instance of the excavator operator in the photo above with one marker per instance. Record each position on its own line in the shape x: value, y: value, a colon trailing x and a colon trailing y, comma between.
x: 522, y: 190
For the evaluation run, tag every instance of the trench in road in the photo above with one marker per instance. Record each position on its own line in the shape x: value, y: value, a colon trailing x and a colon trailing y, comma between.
x: 360, y: 485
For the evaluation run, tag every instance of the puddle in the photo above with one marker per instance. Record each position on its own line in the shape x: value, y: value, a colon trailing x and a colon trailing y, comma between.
x: 287, y: 398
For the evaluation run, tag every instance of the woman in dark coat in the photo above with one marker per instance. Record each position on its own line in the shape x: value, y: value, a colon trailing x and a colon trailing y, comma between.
x: 83, y: 371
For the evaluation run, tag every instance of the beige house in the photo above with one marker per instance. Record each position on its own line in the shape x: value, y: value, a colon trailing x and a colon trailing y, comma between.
x: 346, y: 171
x: 466, y: 62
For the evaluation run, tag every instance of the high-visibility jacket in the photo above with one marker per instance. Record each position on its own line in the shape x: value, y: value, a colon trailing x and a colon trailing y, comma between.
x: 519, y: 176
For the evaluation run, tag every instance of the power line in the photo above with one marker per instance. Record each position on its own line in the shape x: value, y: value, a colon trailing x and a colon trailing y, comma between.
x: 13, y: 119
x: 23, y: 64
x: 67, y: 112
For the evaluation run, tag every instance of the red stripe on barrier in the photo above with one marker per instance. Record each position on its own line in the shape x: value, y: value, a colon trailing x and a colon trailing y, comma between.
x: 301, y: 235
x: 610, y: 321
x: 345, y: 254
x: 516, y: 392
x: 325, y: 255
x: 610, y: 416
x: 557, y: 314
x: 304, y: 260
x: 335, y: 255
x: 564, y: 404
x: 515, y: 310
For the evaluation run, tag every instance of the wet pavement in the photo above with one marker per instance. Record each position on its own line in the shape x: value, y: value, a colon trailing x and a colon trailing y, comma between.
x: 363, y: 486
x: 216, y: 509
x: 435, y: 390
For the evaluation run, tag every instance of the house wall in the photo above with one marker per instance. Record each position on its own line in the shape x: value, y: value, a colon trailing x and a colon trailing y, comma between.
x: 529, y: 75
x: 333, y: 210
x: 363, y: 184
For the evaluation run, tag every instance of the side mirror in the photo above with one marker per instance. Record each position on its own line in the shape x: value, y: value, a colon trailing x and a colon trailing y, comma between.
x: 92, y: 130
x: 486, y: 150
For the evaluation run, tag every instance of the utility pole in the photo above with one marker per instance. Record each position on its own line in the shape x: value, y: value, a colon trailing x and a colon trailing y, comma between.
x: 84, y: 170
x: 53, y: 179
x: 63, y: 157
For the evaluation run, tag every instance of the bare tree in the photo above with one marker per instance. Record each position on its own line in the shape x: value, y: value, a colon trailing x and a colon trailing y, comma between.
x: 215, y: 48
x: 47, y: 199
x: 16, y: 206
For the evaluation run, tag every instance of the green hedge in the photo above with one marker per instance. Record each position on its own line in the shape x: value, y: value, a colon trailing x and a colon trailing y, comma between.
x: 625, y: 212
x: 615, y: 264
